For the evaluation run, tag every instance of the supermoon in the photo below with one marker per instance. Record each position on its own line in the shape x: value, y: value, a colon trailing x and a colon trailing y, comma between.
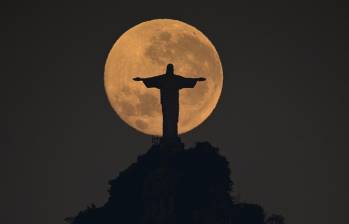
x: 144, y: 51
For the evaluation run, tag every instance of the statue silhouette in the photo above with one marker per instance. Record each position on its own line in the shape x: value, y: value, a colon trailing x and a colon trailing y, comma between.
x: 169, y: 85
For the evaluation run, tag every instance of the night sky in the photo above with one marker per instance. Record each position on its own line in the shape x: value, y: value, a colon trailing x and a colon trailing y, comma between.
x: 281, y: 120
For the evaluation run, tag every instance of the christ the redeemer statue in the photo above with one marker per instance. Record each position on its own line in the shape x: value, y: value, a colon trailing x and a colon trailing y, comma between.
x: 169, y: 85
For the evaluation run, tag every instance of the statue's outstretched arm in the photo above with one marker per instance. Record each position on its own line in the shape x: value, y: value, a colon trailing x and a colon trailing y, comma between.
x: 144, y: 79
x: 138, y: 79
x: 200, y: 79
x: 189, y: 82
x: 150, y: 82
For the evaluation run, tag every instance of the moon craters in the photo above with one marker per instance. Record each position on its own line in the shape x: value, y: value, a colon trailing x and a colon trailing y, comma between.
x: 144, y: 51
x: 148, y: 105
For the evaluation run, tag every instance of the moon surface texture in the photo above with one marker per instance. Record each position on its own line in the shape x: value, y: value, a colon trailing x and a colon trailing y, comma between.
x: 144, y: 51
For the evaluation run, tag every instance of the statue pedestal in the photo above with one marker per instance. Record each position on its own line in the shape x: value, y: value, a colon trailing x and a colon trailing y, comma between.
x: 171, y: 143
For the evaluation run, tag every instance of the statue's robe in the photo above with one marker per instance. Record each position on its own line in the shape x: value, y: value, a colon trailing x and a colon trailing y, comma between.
x: 169, y: 86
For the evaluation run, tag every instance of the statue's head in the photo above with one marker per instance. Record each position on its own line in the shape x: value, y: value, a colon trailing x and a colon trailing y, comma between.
x: 169, y: 69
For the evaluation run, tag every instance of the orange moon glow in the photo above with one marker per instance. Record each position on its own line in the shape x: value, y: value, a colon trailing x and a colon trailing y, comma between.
x: 144, y: 51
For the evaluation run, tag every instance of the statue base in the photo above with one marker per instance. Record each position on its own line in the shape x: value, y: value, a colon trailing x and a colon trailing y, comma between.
x: 173, y: 143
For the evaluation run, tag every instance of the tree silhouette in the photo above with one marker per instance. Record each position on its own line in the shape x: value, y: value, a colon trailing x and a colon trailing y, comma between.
x: 275, y: 219
x: 174, y: 185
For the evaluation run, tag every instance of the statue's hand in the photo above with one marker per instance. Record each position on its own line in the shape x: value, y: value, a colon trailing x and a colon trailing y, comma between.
x: 137, y: 79
x: 201, y: 79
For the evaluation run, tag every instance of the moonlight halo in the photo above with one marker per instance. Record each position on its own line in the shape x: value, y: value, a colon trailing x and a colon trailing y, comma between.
x: 144, y: 50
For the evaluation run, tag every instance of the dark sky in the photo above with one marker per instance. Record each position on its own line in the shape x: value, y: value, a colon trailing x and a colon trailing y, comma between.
x: 281, y: 120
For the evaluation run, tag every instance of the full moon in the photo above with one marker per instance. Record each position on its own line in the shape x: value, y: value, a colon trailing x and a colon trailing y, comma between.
x: 144, y: 51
